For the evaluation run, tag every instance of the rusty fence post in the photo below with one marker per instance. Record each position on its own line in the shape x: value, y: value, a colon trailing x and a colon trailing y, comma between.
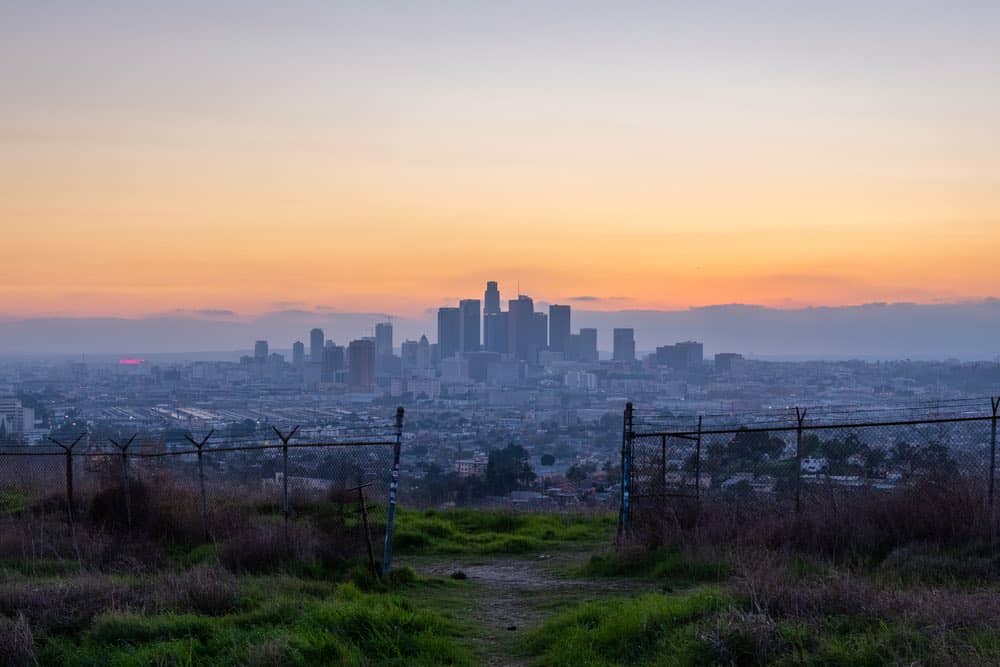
x: 199, y: 445
x: 390, y: 519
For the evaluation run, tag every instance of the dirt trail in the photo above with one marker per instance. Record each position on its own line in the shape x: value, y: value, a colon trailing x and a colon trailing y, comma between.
x: 513, y: 596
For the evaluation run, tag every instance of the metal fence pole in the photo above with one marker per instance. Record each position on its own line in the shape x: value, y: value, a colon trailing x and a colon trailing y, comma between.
x: 800, y: 417
x: 995, y: 403
x: 390, y: 519
x: 123, y: 448
x: 70, y: 514
x: 663, y: 466
x: 284, y: 478
x: 201, y: 481
x: 627, y: 436
x: 697, y: 467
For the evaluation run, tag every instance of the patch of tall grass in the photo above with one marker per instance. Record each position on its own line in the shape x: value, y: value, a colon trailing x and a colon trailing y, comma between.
x: 473, y: 532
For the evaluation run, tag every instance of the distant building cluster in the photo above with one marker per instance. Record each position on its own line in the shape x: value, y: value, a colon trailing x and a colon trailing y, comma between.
x: 477, y: 343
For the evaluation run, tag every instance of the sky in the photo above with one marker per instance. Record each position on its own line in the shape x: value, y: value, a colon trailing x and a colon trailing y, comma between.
x: 390, y: 157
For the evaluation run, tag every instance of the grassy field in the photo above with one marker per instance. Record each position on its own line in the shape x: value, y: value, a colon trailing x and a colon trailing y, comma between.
x: 499, y: 588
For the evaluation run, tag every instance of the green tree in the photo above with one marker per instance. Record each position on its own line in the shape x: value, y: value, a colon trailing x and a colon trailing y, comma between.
x: 508, y: 469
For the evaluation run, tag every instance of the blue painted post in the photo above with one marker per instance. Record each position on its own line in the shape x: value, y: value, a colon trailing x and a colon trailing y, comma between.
x: 393, y: 491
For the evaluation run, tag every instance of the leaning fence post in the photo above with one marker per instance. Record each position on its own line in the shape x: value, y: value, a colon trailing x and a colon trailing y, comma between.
x: 390, y: 518
x: 123, y: 448
x: 201, y: 481
x: 284, y: 478
x: 800, y: 417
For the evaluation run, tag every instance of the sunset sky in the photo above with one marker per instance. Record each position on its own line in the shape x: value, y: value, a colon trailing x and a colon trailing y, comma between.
x: 394, y: 156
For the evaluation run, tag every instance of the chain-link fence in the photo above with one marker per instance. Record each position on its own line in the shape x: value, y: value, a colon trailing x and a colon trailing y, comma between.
x: 318, y: 494
x: 802, y: 460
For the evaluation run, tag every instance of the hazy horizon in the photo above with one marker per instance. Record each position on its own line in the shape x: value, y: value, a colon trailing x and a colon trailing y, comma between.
x: 963, y: 330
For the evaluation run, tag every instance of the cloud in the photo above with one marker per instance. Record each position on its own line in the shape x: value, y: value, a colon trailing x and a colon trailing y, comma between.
x: 215, y: 312
x: 209, y: 313
x: 589, y: 298
x: 284, y: 305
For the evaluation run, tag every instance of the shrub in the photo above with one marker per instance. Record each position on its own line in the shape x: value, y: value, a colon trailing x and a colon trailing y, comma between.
x: 17, y: 644
x: 205, y: 589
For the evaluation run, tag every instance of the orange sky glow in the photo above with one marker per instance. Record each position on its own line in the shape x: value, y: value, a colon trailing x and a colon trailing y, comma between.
x: 189, y: 166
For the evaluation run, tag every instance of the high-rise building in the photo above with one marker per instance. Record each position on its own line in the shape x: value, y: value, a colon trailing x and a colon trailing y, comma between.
x: 539, y: 335
x: 409, y: 351
x: 316, y: 346
x: 491, y: 298
x: 469, y: 325
x: 520, y: 325
x: 383, y: 339
x: 491, y: 306
x: 425, y: 356
x: 559, y: 328
x: 361, y: 365
x: 333, y: 361
x: 497, y: 332
x: 588, y: 345
x: 260, y: 351
x: 688, y: 355
x: 726, y: 362
x: 12, y: 420
x: 624, y: 345
x: 449, y: 332
x: 298, y: 354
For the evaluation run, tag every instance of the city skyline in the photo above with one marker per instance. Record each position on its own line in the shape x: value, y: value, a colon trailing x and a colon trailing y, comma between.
x: 375, y: 157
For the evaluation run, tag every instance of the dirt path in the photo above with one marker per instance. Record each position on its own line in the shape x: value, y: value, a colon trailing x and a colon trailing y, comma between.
x: 513, y: 596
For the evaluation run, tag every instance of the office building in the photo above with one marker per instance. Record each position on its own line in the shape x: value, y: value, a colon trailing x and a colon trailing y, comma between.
x: 726, y: 362
x: 469, y: 325
x: 260, y: 351
x: 539, y: 335
x: 13, y: 421
x: 588, y: 345
x: 361, y: 365
x: 383, y: 339
x: 298, y: 354
x: 559, y: 328
x: 491, y: 306
x: 623, y: 341
x: 680, y: 356
x: 333, y: 361
x: 497, y: 332
x: 520, y: 326
x: 449, y: 334
x: 316, y: 346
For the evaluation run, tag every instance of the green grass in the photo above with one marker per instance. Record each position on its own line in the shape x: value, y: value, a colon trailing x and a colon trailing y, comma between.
x: 283, y: 620
x: 648, y: 630
x: 478, y: 532
x: 663, y: 564
x: 13, y: 501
